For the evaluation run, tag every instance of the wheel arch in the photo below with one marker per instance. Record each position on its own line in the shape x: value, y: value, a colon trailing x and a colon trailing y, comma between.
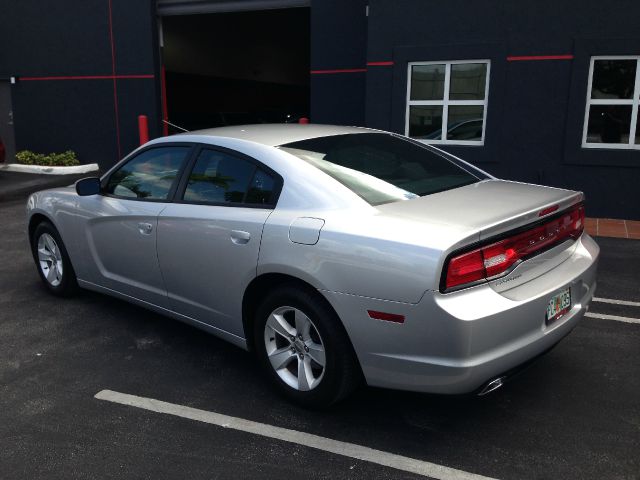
x: 267, y: 282
x: 257, y: 289
x: 36, y: 219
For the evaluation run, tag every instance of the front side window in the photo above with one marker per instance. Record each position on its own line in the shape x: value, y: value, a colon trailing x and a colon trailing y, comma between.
x: 150, y: 175
x: 220, y: 178
x: 611, y: 117
x: 447, y: 101
x: 382, y: 168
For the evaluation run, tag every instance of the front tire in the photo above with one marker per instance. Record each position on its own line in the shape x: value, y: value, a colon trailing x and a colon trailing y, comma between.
x: 303, y: 348
x: 52, y: 260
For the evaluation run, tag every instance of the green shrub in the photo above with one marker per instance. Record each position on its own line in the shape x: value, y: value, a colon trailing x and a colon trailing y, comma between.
x: 65, y: 159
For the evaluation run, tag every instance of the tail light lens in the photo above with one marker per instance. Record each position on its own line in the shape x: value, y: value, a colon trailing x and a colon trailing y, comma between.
x: 498, y: 258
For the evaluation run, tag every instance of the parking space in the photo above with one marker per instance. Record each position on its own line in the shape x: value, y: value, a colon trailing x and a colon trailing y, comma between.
x: 573, y: 414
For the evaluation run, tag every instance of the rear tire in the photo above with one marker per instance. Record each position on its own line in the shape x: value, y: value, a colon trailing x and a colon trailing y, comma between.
x: 304, y: 349
x: 52, y: 261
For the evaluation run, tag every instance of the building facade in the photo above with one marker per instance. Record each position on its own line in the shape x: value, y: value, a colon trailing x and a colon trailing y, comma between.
x: 541, y: 92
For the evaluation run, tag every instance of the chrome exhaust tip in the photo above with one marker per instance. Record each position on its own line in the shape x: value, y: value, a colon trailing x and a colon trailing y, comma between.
x: 491, y: 386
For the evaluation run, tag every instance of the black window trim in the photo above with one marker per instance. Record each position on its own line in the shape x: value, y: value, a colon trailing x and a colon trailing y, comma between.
x: 467, y: 167
x: 104, y: 181
x: 191, y: 162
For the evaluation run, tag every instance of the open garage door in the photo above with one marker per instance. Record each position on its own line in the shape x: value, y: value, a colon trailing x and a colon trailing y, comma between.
x: 235, y: 67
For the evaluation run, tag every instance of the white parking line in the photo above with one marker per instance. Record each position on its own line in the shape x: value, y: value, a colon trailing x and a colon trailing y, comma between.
x: 603, y: 316
x: 345, y: 449
x: 616, y: 302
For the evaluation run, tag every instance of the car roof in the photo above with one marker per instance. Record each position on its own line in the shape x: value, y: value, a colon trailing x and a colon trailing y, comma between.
x: 276, y: 134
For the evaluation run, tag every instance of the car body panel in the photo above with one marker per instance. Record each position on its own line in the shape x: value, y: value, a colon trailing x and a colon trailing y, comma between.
x: 456, y: 342
x: 59, y: 206
x: 208, y: 255
x: 360, y: 257
x: 117, y: 239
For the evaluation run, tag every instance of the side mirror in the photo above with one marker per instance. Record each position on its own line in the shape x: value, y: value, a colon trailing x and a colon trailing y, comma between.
x: 88, y: 186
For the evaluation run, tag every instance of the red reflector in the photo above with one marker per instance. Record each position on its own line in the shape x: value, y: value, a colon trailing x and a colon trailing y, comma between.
x: 547, y: 211
x: 389, y: 317
x: 497, y: 258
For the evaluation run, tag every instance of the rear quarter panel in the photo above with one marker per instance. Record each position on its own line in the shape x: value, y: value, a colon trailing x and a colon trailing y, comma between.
x: 360, y: 253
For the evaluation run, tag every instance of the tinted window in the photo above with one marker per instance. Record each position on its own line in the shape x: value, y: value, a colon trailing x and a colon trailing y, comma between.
x: 261, y: 188
x: 380, y: 167
x: 149, y: 175
x: 218, y: 177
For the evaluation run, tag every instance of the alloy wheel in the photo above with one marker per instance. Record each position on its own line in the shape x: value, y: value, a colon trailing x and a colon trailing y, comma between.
x: 294, y: 348
x: 50, y: 259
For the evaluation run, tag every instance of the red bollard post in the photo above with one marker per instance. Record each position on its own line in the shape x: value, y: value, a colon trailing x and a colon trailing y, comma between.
x: 303, y: 121
x: 143, y: 129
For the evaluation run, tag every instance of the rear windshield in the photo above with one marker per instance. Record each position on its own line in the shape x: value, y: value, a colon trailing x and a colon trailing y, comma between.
x: 381, y: 168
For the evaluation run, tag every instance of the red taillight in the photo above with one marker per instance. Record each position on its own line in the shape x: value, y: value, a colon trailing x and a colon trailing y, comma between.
x: 497, y: 258
x: 465, y: 268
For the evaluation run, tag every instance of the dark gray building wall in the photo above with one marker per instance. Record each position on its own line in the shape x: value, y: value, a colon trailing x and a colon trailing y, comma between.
x: 338, y: 55
x: 359, y: 70
x: 85, y: 71
x: 536, y: 108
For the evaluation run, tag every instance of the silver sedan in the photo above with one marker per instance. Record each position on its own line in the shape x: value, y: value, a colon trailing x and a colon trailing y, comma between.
x: 339, y: 255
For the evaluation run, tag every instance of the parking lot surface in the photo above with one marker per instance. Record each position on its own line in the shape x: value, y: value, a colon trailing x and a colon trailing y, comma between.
x: 574, y: 414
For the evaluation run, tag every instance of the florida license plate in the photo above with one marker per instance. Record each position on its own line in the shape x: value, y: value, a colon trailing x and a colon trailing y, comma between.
x: 559, y: 305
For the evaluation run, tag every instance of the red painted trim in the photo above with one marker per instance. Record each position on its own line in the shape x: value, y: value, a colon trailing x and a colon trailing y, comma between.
x: 340, y: 70
x: 83, y: 77
x: 115, y: 87
x: 163, y: 93
x: 538, y: 57
x: 124, y: 77
x: 352, y: 70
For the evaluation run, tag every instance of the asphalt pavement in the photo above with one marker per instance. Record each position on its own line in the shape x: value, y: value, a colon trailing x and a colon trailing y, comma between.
x: 573, y: 414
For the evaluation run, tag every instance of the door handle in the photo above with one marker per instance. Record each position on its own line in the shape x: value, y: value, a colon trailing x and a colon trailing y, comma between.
x: 145, y: 228
x: 240, y: 237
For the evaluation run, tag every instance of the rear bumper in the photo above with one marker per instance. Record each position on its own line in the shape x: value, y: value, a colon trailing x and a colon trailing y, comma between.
x: 454, y: 343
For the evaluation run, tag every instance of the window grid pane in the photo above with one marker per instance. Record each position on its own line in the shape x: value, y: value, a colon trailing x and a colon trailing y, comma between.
x: 468, y: 81
x: 462, y: 107
x: 427, y: 82
x: 611, y: 112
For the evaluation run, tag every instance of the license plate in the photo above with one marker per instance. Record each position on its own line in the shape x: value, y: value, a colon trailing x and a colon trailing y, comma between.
x: 558, y: 305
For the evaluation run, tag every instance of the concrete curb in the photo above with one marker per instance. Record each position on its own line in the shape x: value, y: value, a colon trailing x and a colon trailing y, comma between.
x: 44, y: 170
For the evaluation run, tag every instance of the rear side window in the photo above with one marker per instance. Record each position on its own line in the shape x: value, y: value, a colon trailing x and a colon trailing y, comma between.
x: 218, y: 177
x: 381, y: 168
x: 150, y: 175
x: 261, y: 188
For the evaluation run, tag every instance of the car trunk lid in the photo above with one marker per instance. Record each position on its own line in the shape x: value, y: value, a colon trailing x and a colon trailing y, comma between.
x: 492, y: 209
x: 489, y: 207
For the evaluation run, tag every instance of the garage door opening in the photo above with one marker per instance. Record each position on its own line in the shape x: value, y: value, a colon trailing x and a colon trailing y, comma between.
x: 236, y: 68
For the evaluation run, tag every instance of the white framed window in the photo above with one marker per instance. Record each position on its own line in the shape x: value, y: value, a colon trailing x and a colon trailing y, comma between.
x: 611, y: 112
x: 447, y: 101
